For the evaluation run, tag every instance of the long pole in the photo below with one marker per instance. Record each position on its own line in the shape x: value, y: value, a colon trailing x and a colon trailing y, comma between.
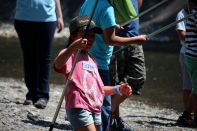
x: 167, y: 26
x: 144, y: 12
x: 157, y: 32
x: 71, y: 72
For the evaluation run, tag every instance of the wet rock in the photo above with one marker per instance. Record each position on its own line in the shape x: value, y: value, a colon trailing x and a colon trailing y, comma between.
x: 32, y: 116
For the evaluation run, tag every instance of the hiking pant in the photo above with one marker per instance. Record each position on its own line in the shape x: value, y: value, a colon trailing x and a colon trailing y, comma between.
x: 36, y: 41
x: 191, y: 66
x: 129, y: 66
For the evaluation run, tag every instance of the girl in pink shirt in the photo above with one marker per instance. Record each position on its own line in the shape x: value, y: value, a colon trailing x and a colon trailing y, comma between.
x: 85, y: 93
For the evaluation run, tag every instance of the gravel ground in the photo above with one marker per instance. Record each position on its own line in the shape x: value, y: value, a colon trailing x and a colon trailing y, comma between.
x: 14, y: 116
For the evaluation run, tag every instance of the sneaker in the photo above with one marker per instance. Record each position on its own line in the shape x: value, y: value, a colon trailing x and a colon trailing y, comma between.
x: 28, y: 102
x: 185, y: 120
x: 41, y: 103
x: 118, y: 124
x: 114, y: 125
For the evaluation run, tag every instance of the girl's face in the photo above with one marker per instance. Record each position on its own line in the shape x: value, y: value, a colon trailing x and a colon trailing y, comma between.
x: 90, y: 37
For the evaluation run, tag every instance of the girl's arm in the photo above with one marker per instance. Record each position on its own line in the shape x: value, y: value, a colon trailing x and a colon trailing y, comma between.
x: 60, y: 21
x: 111, y: 38
x: 124, y: 89
x: 61, y: 59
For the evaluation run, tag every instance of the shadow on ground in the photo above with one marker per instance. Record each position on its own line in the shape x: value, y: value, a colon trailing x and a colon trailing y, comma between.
x: 43, y: 123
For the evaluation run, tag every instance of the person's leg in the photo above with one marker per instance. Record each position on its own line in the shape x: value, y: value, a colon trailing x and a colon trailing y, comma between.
x: 191, y: 65
x: 131, y: 69
x: 106, y: 107
x: 186, y: 98
x: 186, y: 116
x: 116, y: 101
x: 194, y: 96
x: 117, y: 65
x: 26, y: 36
x: 44, y: 37
x: 117, y: 122
x: 194, y: 103
x: 187, y: 85
x: 83, y: 120
x: 193, y: 72
x: 134, y: 74
x: 135, y: 71
x: 90, y: 127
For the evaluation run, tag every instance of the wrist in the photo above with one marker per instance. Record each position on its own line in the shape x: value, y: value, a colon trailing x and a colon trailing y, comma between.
x: 60, y: 17
x: 117, y: 89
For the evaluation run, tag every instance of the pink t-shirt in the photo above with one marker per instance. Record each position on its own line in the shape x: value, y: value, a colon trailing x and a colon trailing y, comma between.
x: 85, y: 88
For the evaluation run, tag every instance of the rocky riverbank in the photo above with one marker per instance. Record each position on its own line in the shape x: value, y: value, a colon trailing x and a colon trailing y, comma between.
x: 14, y: 116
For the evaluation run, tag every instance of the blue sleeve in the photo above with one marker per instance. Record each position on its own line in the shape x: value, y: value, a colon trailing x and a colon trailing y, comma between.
x: 107, y: 18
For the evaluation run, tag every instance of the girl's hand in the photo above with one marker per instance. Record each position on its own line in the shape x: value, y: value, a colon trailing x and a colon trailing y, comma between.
x: 79, y: 44
x: 125, y: 89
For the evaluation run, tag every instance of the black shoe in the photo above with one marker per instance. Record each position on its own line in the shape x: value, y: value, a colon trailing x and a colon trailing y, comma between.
x: 185, y: 120
x: 28, y: 102
x: 119, y: 125
x: 41, y: 103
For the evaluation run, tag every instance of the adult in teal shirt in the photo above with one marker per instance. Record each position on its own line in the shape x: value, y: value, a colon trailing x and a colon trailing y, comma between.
x: 103, y: 47
x: 35, y: 23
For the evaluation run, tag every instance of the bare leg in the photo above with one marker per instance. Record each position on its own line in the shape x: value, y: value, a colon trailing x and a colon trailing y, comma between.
x: 117, y: 122
x: 90, y: 127
x: 116, y: 101
x: 187, y: 100
x: 194, y: 103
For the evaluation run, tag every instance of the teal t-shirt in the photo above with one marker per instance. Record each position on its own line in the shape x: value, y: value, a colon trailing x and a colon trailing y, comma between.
x: 104, y: 18
x: 36, y: 10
